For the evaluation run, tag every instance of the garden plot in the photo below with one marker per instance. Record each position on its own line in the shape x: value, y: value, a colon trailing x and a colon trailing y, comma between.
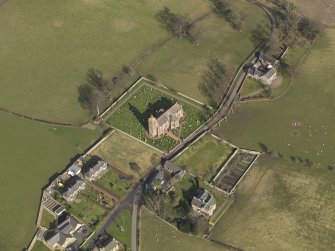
x: 127, y: 156
x: 132, y: 117
x: 232, y: 172
x: 90, y: 207
x: 115, y: 183
x: 205, y: 156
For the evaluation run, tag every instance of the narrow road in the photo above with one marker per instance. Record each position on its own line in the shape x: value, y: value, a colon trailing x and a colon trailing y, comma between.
x: 134, y: 196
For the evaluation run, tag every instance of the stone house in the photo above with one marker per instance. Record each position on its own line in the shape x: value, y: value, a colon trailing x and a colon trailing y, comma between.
x: 74, y: 190
x: 169, y: 120
x: 264, y: 69
x: 96, y: 171
x: 203, y: 203
x: 63, y: 234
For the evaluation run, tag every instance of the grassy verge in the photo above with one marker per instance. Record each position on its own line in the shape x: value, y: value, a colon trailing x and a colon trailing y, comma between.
x: 47, y: 219
x: 121, y: 228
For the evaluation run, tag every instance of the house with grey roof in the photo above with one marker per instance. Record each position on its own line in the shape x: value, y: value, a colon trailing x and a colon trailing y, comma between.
x: 176, y: 172
x: 264, y: 69
x: 157, y: 180
x: 63, y: 235
x: 203, y: 203
x: 111, y: 245
x: 74, y: 190
x: 169, y: 120
x: 96, y: 171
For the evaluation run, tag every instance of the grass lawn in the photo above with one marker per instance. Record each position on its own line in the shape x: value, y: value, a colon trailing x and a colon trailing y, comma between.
x: 47, y: 47
x: 47, y: 219
x: 132, y: 117
x: 120, y: 150
x: 309, y: 102
x: 179, y: 64
x: 156, y: 234
x: 30, y: 153
x: 281, y: 206
x: 204, y: 156
x: 39, y: 246
x: 121, y: 228
x: 116, y: 184
x: 87, y: 209
x: 250, y: 86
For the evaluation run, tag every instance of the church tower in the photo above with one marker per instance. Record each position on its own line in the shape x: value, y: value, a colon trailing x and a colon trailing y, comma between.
x: 152, y: 123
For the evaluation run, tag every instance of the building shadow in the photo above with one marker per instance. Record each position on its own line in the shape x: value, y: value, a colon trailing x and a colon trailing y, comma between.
x: 156, y: 109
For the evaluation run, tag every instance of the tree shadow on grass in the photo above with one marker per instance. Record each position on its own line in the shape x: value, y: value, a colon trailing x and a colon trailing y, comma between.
x: 156, y: 109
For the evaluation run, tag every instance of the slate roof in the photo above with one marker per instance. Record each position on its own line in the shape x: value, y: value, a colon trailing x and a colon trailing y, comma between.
x: 168, y: 115
x: 101, y: 165
x: 270, y: 73
x: 203, y: 199
x: 173, y: 168
x: 71, y: 190
x: 269, y: 60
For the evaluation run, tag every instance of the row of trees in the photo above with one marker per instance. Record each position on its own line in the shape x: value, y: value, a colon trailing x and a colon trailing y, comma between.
x: 214, y: 82
x: 95, y: 94
x: 223, y: 9
x: 291, y: 28
x: 178, y: 25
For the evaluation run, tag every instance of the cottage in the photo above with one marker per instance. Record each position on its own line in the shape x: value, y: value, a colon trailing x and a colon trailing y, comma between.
x: 112, y: 245
x: 157, y: 180
x: 96, y: 171
x: 169, y: 120
x: 74, y: 190
x: 63, y: 235
x: 203, y: 203
x: 264, y: 69
x: 176, y: 172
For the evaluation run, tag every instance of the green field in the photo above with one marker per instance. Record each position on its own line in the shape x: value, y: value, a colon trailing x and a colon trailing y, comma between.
x: 308, y: 102
x: 48, y: 46
x: 156, y: 234
x: 281, y: 206
x: 120, y: 150
x: 30, y: 153
x: 250, y: 86
x: 121, y: 228
x: 179, y: 64
x: 132, y: 117
x: 204, y: 156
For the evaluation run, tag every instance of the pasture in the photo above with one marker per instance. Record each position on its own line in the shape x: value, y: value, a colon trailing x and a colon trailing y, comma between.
x: 155, y: 234
x: 204, y: 156
x: 48, y: 46
x: 30, y: 154
x: 280, y: 206
x: 299, y: 124
x: 132, y: 117
x: 179, y: 64
x: 120, y: 151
